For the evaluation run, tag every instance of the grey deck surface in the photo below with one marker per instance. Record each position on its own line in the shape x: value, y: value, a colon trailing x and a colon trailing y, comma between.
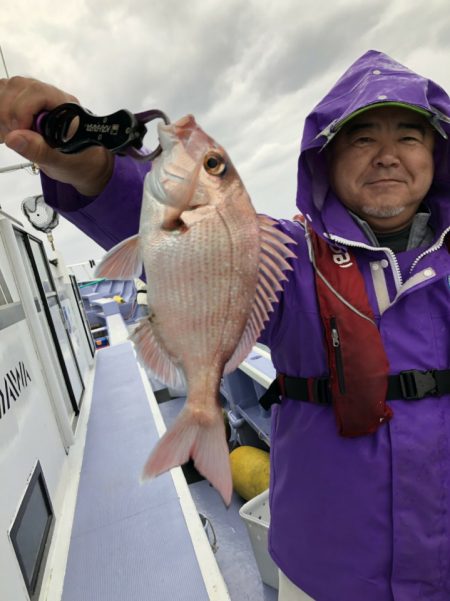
x: 129, y: 541
x: 234, y: 553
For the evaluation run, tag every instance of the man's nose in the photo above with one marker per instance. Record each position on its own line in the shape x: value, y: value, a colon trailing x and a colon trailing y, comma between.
x: 386, y: 156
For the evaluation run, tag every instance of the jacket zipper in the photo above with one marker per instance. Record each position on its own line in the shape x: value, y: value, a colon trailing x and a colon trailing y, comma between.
x: 435, y: 246
x: 336, y: 342
x: 390, y: 254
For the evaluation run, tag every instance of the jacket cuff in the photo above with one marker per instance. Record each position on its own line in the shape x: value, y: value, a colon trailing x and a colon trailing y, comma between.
x: 64, y: 197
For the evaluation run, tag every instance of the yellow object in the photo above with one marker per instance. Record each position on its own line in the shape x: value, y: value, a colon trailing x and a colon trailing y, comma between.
x: 250, y: 470
x: 118, y: 299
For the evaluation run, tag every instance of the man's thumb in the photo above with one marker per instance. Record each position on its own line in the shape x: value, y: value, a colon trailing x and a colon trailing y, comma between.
x: 27, y: 143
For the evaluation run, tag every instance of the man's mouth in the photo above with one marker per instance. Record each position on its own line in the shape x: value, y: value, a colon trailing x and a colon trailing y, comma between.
x: 385, y: 181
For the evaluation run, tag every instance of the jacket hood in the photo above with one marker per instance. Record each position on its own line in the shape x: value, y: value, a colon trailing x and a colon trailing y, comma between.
x: 374, y: 79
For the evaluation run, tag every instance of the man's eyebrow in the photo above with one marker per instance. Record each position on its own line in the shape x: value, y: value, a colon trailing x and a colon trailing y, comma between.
x: 355, y: 127
x: 419, y: 126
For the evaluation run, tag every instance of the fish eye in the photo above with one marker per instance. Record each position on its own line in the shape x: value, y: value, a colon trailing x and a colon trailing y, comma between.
x: 214, y: 163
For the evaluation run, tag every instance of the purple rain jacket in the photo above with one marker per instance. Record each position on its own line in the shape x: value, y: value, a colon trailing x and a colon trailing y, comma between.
x: 352, y: 519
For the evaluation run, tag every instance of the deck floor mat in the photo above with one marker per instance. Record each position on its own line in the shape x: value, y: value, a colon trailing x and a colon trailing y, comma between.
x: 129, y: 541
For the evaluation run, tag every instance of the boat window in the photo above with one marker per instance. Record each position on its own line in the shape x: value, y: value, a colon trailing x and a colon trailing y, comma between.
x: 5, y: 295
x: 41, y: 266
x: 31, y: 532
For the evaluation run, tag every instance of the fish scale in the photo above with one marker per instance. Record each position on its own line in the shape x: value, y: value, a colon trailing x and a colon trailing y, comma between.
x: 186, y: 280
x: 175, y: 289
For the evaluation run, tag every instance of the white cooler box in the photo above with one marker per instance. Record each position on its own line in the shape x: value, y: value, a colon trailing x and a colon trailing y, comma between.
x: 256, y: 515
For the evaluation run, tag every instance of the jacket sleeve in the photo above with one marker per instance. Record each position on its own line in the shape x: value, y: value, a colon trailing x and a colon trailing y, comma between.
x: 110, y: 217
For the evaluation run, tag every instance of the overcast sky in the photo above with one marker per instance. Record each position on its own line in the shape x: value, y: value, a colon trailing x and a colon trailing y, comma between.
x: 250, y: 71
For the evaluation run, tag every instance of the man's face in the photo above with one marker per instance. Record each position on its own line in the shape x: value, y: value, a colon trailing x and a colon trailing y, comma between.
x: 381, y: 166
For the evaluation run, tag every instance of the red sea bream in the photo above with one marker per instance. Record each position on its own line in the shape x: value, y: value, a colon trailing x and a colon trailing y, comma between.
x: 213, y: 268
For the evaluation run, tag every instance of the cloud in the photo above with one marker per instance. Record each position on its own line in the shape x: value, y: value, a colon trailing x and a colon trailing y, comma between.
x: 249, y: 71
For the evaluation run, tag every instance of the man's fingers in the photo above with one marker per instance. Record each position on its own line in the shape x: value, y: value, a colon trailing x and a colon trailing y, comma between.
x: 22, y: 99
x: 31, y: 146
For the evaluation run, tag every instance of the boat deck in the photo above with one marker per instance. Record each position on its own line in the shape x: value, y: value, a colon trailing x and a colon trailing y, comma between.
x: 146, y: 541
x: 129, y: 541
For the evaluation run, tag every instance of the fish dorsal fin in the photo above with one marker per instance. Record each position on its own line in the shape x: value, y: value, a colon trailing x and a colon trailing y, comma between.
x: 122, y: 262
x: 272, y: 265
x: 155, y: 357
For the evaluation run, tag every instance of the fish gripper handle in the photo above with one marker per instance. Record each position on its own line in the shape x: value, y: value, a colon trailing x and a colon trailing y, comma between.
x: 71, y: 128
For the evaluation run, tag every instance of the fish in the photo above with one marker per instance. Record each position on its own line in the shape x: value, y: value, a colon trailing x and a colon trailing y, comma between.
x: 214, y: 268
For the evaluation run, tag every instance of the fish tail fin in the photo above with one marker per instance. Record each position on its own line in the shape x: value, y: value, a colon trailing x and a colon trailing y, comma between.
x: 201, y: 436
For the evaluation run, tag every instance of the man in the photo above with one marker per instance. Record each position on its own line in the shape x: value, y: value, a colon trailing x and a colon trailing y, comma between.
x: 360, y: 462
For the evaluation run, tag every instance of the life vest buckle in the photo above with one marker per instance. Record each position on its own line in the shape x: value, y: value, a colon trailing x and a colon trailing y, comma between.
x: 417, y: 384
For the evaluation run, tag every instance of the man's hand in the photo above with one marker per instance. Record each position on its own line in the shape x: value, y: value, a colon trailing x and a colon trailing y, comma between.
x: 21, y: 99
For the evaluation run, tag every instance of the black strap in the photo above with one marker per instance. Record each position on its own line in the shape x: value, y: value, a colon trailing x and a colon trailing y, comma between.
x: 271, y: 396
x: 413, y: 384
x: 410, y: 385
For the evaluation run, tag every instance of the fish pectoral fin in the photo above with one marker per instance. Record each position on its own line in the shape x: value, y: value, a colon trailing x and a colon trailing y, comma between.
x: 122, y: 262
x: 203, y: 440
x: 196, y: 213
x: 172, y: 220
x: 155, y: 357
x: 272, y: 265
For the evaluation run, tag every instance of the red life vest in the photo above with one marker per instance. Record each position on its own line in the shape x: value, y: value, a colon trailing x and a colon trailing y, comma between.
x: 358, y: 365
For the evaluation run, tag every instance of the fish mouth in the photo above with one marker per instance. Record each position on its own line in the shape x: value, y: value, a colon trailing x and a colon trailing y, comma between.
x: 177, y: 140
x: 174, y: 133
x: 167, y: 138
x: 175, y: 176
